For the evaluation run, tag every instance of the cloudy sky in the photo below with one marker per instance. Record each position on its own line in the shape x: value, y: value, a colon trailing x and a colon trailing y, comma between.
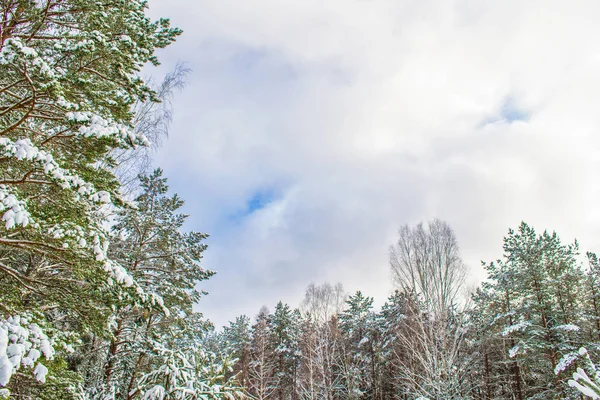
x: 311, y: 129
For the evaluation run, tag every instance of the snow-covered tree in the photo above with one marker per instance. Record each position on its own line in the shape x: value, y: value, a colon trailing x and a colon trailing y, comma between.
x: 358, y: 360
x: 285, y: 324
x: 164, y: 261
x: 237, y: 342
x: 390, y: 320
x: 69, y: 77
x: 187, y: 372
x: 582, y: 382
x: 533, y: 306
x: 591, y: 299
x: 262, y: 368
x: 320, y: 342
x: 430, y: 353
x: 495, y: 374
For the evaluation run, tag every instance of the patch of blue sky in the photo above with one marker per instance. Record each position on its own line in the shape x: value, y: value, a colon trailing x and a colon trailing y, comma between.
x: 256, y: 201
x: 509, y: 112
x: 259, y: 200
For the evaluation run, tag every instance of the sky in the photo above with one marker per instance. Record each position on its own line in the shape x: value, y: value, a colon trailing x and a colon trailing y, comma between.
x: 310, y: 130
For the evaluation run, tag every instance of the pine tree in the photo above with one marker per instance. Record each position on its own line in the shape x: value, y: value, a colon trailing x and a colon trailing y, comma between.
x: 497, y: 376
x: 238, y: 340
x: 188, y: 368
x: 534, y: 293
x: 582, y: 382
x: 357, y: 325
x: 592, y: 299
x: 69, y: 77
x: 285, y: 342
x: 394, y: 314
x: 164, y: 262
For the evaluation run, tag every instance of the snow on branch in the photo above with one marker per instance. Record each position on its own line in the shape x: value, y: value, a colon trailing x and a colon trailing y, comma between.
x: 21, y: 345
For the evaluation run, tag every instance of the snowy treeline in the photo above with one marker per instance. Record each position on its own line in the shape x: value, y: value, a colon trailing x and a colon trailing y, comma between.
x: 517, y: 336
x: 98, y: 277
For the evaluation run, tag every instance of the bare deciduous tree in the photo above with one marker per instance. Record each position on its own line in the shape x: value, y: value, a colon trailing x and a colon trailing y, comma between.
x: 322, y: 302
x: 152, y: 119
x: 427, y: 266
x: 429, y: 354
x: 262, y: 368
x: 320, y: 341
x: 426, y: 260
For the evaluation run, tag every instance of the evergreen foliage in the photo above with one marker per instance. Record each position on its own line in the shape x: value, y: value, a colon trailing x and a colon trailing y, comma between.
x: 99, y: 278
x: 96, y: 293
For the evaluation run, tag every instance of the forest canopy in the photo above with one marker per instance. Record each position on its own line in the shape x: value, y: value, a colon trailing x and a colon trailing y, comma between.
x: 99, y: 277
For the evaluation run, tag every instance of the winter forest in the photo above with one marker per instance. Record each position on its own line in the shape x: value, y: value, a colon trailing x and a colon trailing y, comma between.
x: 99, y: 279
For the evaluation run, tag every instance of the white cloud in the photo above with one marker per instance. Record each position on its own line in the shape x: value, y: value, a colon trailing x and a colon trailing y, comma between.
x: 367, y: 114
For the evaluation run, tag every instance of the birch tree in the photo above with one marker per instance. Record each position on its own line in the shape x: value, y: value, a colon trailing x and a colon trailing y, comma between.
x: 426, y: 260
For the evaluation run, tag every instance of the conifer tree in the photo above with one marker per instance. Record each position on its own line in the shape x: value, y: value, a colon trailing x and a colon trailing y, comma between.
x: 534, y: 294
x: 394, y: 314
x: 497, y: 376
x: 359, y: 362
x: 285, y: 330
x: 69, y: 77
x: 164, y: 262
x: 237, y: 342
x: 592, y: 299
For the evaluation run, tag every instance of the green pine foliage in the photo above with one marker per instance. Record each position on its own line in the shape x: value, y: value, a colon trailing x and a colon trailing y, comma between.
x: 534, y: 308
x: 285, y: 331
x: 356, y: 324
x: 96, y: 293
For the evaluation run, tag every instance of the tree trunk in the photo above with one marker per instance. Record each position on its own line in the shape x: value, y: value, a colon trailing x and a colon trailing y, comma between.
x: 112, y: 353
x: 488, y: 387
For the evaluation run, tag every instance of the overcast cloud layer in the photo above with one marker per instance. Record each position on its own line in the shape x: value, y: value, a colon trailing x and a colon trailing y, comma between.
x: 311, y: 129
